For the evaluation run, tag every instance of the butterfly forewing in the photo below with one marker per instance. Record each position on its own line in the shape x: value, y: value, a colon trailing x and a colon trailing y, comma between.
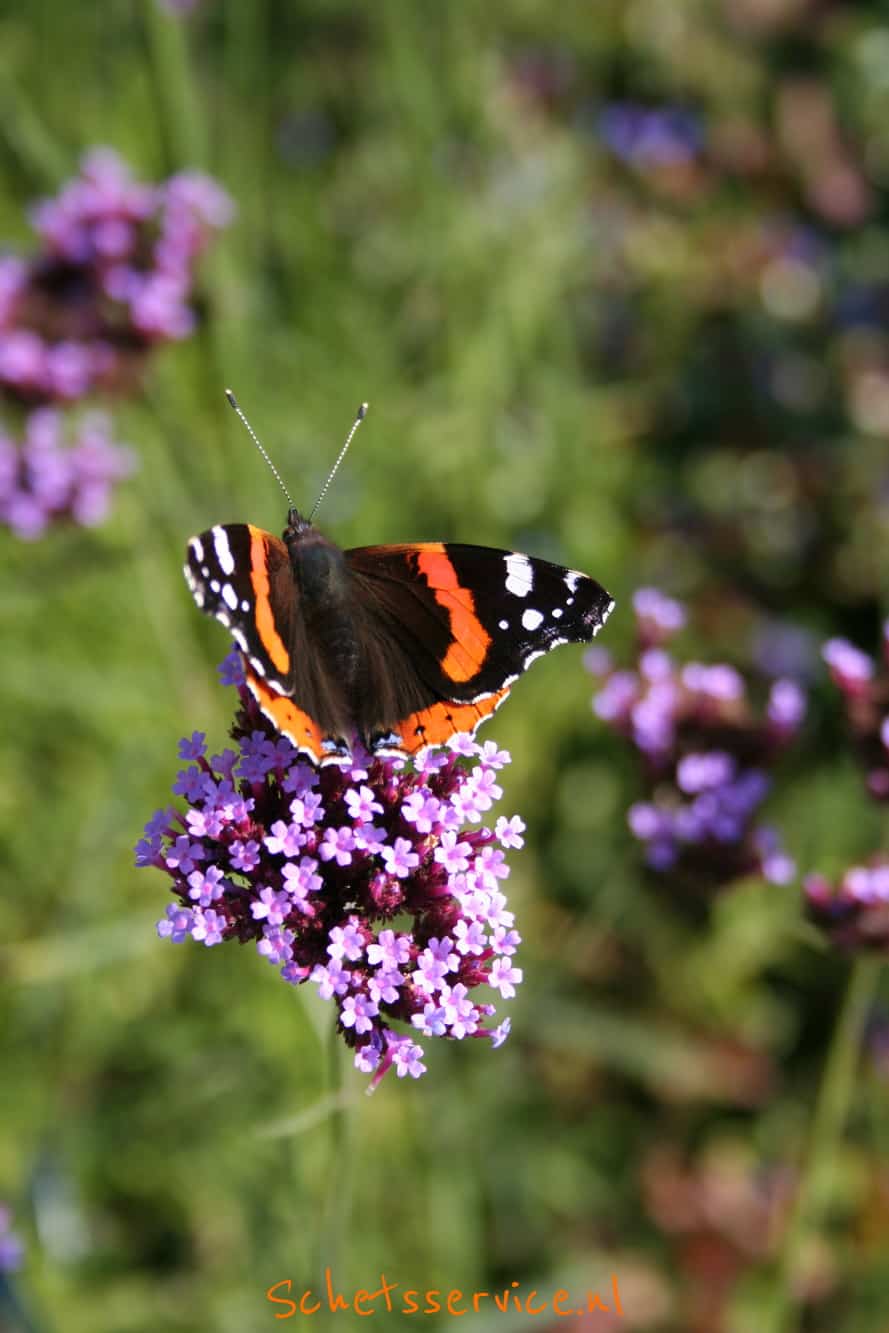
x: 242, y: 576
x: 474, y: 618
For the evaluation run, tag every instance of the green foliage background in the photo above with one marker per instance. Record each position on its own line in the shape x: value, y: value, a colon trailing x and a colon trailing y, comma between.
x: 417, y: 225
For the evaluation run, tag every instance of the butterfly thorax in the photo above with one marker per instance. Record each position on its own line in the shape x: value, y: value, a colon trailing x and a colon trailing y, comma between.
x: 322, y: 578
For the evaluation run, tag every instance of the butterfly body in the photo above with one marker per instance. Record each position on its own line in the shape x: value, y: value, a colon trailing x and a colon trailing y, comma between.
x: 402, y: 646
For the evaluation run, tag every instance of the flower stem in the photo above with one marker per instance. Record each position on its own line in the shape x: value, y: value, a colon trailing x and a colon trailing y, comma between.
x: 181, y: 117
x: 331, y: 1234
x: 828, y: 1123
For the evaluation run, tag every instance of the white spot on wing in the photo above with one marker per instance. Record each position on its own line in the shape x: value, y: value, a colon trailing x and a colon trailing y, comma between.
x: 503, y: 624
x: 223, y: 551
x: 519, y: 574
x: 230, y: 597
x: 605, y: 614
x: 214, y: 585
x: 557, y: 613
x: 196, y: 546
x: 572, y: 578
x: 531, y: 619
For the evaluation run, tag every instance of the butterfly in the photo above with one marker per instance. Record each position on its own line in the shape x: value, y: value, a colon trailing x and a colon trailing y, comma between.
x: 403, y: 646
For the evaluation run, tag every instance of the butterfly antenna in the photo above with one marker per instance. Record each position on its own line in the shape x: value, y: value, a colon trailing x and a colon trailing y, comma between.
x: 234, y: 403
x: 359, y: 417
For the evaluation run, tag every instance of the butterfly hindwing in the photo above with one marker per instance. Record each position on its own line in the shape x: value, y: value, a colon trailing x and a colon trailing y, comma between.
x: 292, y: 722
x: 438, y: 723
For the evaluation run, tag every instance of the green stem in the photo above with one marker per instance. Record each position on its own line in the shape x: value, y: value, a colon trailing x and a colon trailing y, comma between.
x: 24, y: 130
x: 332, y: 1232
x: 185, y: 130
x: 182, y: 120
x: 828, y: 1124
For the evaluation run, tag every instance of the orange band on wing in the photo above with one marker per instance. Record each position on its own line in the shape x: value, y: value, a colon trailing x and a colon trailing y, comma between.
x: 265, y: 620
x: 436, y: 725
x: 471, y: 640
x: 291, y: 721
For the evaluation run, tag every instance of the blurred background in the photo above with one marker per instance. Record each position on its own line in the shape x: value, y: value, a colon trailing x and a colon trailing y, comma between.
x: 615, y: 280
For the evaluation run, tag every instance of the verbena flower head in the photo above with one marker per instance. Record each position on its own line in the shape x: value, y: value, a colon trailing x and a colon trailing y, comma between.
x: 374, y: 880
x: 58, y: 473
x: 113, y: 276
x: 705, y: 753
x: 864, y: 686
x: 853, y: 911
x: 12, y: 1251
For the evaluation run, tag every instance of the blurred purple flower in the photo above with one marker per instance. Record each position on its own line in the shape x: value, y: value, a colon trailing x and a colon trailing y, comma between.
x: 375, y: 880
x: 657, y: 617
x: 864, y: 686
x: 114, y: 275
x: 12, y: 1251
x: 787, y: 650
x: 705, y: 754
x: 851, y: 669
x: 650, y: 136
x: 45, y: 479
x: 853, y: 911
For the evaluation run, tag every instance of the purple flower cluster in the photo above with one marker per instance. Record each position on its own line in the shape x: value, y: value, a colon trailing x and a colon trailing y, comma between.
x: 112, y: 277
x: 374, y: 880
x: 854, y: 911
x: 705, y: 754
x: 865, y: 691
x: 12, y: 1251
x: 47, y: 478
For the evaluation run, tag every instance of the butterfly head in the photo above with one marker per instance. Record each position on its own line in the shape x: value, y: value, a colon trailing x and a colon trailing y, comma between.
x: 297, y: 525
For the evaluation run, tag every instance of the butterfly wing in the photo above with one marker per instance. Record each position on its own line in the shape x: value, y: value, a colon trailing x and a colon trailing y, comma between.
x: 441, y: 630
x: 460, y: 624
x: 241, y: 575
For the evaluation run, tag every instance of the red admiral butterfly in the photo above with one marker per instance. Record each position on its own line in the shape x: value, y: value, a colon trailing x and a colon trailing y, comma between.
x: 404, y: 645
